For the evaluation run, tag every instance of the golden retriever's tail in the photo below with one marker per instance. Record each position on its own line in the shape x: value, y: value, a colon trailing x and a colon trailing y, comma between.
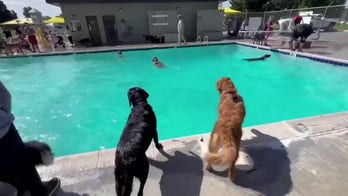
x: 225, y: 156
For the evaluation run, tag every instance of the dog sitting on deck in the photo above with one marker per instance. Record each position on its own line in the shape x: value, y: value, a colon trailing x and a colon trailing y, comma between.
x: 141, y: 128
x: 227, y: 133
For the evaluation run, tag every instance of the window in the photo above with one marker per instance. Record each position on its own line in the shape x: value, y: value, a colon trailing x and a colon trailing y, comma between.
x: 159, y: 18
x: 75, y: 25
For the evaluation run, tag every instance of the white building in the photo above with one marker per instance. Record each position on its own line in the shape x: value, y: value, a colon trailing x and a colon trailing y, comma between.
x: 100, y: 20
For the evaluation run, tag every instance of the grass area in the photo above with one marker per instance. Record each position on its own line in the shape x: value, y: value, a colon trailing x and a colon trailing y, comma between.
x: 341, y: 27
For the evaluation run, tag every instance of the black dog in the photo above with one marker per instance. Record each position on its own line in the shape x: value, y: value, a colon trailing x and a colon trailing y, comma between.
x: 154, y: 38
x: 264, y: 57
x: 84, y: 41
x: 35, y: 153
x: 259, y: 38
x: 39, y: 153
x: 131, y: 160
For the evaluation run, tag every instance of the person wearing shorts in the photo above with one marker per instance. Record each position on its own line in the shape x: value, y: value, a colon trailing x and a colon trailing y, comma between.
x: 268, y: 28
x: 303, y: 31
x: 32, y: 38
x: 294, y: 22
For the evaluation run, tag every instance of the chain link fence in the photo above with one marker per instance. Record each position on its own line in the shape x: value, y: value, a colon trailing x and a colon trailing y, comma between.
x: 337, y: 14
x: 332, y: 17
x: 330, y: 25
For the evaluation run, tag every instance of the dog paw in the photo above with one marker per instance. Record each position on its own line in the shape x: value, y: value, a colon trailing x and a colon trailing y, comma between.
x: 209, y: 168
x: 232, y: 177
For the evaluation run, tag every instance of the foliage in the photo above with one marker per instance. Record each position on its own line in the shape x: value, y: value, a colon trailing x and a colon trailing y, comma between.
x: 318, y: 3
x: 5, y: 14
x: 26, y: 11
x: 341, y: 27
x: 272, y: 5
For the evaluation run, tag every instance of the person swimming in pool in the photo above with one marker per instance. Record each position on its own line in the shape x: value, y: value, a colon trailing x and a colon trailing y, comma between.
x: 120, y: 55
x: 157, y: 63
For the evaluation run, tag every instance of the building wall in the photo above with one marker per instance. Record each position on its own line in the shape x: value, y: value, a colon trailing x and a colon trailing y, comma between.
x: 171, y: 19
x: 135, y: 15
x: 207, y: 25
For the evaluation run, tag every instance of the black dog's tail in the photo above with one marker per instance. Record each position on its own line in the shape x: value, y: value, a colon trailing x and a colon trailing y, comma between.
x: 39, y: 153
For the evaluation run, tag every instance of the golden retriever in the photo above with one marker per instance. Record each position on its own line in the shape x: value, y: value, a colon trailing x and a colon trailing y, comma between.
x: 226, y: 137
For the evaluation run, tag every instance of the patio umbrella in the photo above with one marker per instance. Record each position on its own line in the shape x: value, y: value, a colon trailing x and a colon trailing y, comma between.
x: 55, y: 20
x: 18, y: 21
x: 230, y: 11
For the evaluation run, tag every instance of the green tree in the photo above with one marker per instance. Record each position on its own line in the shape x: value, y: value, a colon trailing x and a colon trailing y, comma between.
x: 26, y: 11
x: 5, y: 14
x: 250, y: 5
x: 316, y: 3
x: 238, y: 4
x: 262, y: 5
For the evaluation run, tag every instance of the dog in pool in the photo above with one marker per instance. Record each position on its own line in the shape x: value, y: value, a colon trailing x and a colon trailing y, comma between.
x: 264, y: 57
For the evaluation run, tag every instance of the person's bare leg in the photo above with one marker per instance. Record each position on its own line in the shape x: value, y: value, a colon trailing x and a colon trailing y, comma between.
x: 179, y: 39
x: 294, y: 44
x: 37, y: 46
x: 291, y: 44
x: 20, y: 49
x: 300, y: 47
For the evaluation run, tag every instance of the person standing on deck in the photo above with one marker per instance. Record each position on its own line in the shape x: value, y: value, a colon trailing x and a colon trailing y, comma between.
x: 30, y: 32
x: 124, y: 31
x: 181, y: 30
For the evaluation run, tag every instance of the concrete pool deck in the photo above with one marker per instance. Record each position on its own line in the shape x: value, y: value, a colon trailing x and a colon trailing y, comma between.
x: 306, y: 156
x: 296, y: 157
x: 332, y: 45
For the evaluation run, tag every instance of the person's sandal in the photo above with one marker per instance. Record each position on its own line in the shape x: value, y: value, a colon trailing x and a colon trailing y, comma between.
x: 52, y: 186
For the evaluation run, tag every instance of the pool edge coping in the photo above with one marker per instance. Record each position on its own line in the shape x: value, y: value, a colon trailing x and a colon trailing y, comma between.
x: 286, y: 121
x: 314, y: 57
x: 120, y: 48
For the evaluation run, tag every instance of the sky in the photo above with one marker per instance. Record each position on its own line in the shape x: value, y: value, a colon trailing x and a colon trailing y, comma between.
x: 46, y: 9
x: 226, y: 4
x: 41, y: 5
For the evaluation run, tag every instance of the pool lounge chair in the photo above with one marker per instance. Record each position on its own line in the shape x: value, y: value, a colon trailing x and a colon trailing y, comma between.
x: 253, y: 25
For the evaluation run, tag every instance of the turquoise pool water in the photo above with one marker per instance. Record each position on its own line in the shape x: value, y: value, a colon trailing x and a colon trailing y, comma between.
x: 78, y: 103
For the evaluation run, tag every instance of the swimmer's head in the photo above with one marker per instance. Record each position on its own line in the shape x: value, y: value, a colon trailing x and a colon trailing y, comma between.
x: 155, y: 59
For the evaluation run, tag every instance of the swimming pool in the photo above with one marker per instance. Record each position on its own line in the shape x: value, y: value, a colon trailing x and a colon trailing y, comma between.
x: 78, y: 103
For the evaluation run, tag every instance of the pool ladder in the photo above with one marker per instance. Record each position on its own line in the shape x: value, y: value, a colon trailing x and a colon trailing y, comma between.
x: 199, y: 40
x: 205, y: 40
x: 293, y: 54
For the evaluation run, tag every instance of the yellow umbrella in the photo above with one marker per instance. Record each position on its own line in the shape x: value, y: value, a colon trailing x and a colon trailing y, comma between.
x: 229, y: 11
x: 55, y: 20
x: 18, y: 21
